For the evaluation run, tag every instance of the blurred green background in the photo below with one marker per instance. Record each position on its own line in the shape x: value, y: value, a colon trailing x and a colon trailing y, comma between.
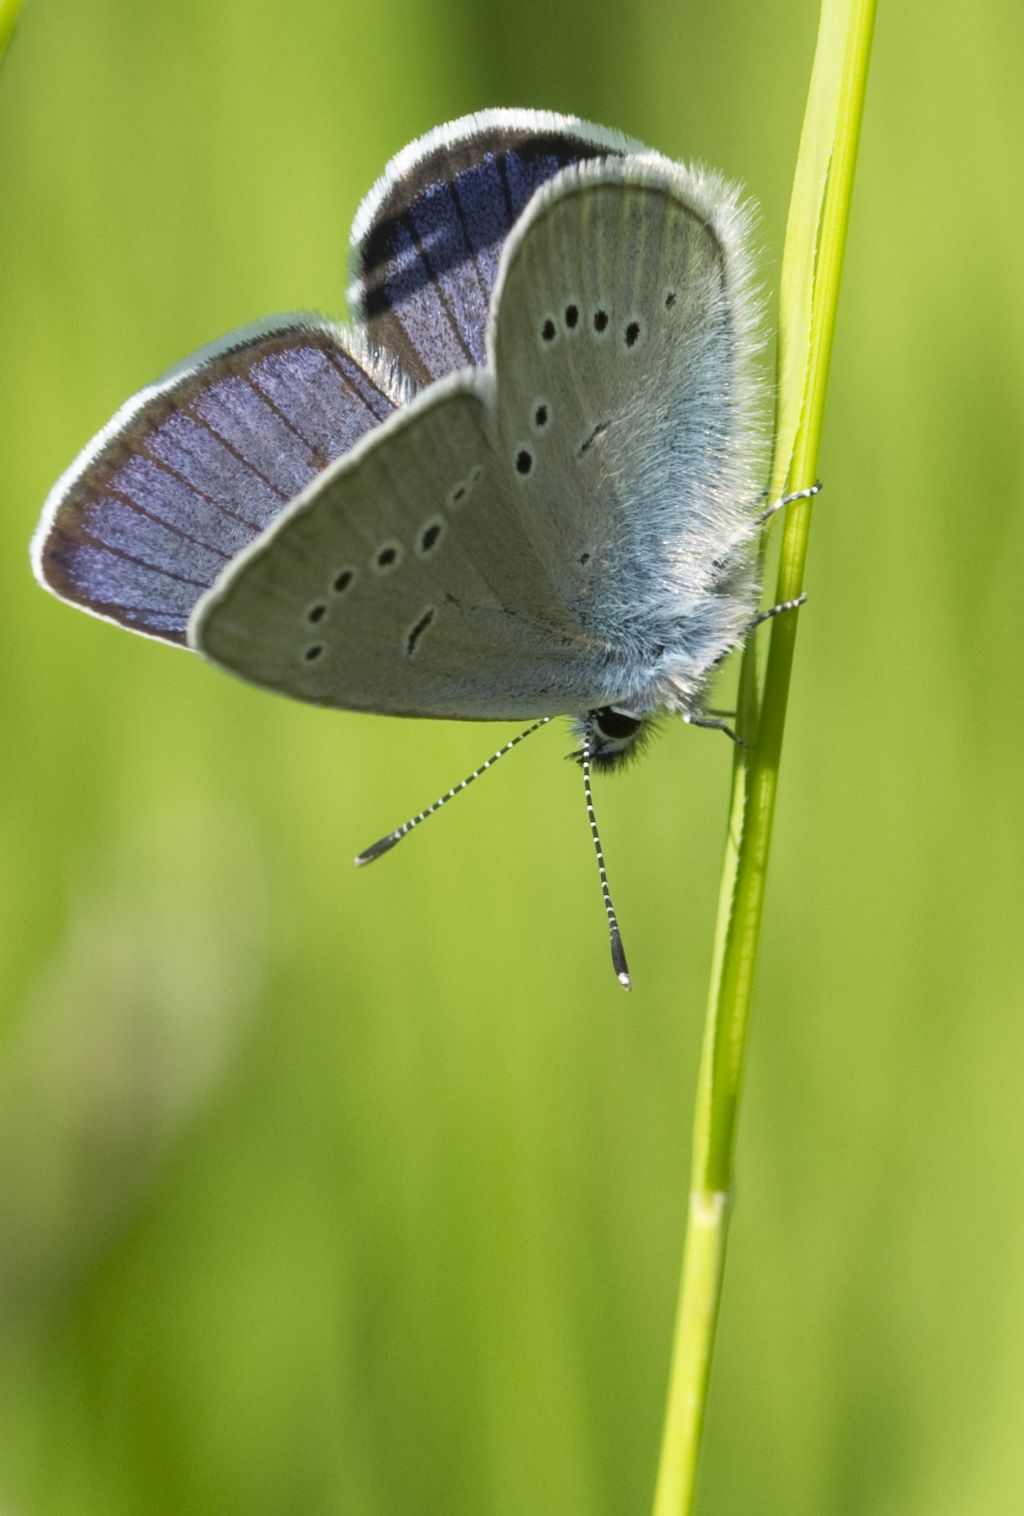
x: 324, y: 1192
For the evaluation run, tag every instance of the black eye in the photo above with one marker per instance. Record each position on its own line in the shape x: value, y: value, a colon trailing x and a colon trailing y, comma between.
x: 614, y: 724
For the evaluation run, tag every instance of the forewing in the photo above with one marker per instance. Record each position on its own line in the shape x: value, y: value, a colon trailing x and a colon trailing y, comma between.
x: 194, y: 467
x: 402, y: 582
x: 626, y: 408
x: 427, y: 239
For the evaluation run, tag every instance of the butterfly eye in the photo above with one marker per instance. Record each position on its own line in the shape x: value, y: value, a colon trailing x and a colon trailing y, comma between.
x: 611, y: 737
x: 615, y: 724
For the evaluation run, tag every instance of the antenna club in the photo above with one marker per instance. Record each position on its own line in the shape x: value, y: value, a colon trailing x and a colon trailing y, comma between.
x: 619, y: 963
x: 383, y: 846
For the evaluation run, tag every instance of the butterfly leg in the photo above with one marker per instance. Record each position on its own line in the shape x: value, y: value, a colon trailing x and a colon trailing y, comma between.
x: 711, y: 718
x: 712, y: 724
x: 807, y: 494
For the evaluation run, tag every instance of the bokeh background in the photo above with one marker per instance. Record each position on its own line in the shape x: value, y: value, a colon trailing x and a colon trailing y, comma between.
x: 324, y: 1192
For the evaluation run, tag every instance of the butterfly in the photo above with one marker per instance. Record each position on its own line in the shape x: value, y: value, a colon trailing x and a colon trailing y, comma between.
x: 524, y: 482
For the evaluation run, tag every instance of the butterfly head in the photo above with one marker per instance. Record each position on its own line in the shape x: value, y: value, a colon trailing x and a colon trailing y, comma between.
x: 613, y: 737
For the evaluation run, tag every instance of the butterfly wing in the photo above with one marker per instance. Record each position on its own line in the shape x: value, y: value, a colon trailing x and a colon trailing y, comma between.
x: 627, y: 413
x: 195, y: 467
x: 520, y: 539
x: 530, y: 537
x: 402, y: 582
x: 427, y: 240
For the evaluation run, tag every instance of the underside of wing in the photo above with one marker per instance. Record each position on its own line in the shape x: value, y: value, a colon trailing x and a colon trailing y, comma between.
x: 401, y: 582
x: 628, y: 411
x: 428, y: 238
x: 193, y: 468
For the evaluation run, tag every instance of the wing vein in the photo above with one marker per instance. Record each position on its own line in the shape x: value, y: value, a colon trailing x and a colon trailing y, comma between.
x: 141, y: 510
x: 235, y: 452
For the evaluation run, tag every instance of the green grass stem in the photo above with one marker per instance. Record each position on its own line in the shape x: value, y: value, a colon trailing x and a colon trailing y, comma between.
x: 809, y: 289
x: 8, y: 15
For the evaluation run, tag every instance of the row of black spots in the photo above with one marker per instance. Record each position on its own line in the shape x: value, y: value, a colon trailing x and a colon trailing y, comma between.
x: 416, y: 632
x: 600, y: 321
x: 341, y: 584
x: 524, y: 458
x: 389, y: 555
x: 570, y: 319
x: 316, y: 612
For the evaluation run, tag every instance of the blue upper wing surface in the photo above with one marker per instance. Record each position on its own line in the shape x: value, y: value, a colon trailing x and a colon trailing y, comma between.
x: 427, y: 240
x: 195, y: 467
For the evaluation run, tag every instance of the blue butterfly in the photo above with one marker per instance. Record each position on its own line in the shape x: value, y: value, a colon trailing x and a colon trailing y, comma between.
x: 524, y: 482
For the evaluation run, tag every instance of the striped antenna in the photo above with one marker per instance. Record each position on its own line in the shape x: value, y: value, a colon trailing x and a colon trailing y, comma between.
x: 618, y: 952
x: 388, y: 842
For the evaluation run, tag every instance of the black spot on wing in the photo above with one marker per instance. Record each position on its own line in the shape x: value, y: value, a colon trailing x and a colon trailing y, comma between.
x: 416, y: 631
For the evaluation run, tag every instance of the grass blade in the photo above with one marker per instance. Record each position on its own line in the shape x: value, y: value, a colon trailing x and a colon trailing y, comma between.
x: 809, y: 290
x: 8, y: 15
